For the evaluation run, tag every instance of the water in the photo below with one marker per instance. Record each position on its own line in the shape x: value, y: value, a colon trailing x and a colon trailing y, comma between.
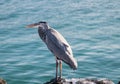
x: 92, y: 28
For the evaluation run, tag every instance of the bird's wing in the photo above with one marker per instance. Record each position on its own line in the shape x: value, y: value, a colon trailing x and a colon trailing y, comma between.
x: 60, y: 48
x: 59, y: 41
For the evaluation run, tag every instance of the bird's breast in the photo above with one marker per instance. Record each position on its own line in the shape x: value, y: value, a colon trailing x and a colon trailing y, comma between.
x: 42, y: 34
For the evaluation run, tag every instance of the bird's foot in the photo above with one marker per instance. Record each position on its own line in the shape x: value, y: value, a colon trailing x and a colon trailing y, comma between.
x: 59, y: 80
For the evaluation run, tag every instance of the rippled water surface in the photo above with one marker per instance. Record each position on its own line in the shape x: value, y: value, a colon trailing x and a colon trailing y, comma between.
x: 92, y: 28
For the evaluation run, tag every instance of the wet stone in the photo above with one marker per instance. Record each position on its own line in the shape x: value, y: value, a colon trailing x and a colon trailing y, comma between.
x: 79, y: 81
x: 2, y: 81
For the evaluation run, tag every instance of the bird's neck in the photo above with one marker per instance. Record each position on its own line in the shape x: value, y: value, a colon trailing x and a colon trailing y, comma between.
x: 42, y: 33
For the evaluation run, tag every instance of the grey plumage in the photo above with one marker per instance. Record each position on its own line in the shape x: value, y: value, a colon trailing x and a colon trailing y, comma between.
x: 56, y: 43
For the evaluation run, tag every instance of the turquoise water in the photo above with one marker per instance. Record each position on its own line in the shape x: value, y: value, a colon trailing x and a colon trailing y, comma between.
x: 92, y: 28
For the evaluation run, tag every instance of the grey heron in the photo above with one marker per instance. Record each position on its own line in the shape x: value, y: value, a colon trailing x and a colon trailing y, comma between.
x: 57, y: 44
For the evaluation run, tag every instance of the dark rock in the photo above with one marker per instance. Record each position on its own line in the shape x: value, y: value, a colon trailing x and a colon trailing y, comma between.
x: 54, y: 81
x: 2, y: 81
x: 119, y: 82
x: 79, y: 81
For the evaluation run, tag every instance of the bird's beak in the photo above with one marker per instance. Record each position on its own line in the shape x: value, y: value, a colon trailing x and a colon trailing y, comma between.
x: 32, y: 25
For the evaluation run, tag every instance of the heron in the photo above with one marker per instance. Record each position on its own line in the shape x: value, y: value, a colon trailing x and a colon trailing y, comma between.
x: 57, y: 44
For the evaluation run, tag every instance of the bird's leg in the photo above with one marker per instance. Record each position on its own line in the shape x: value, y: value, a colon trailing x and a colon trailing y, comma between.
x: 60, y: 65
x: 56, y: 69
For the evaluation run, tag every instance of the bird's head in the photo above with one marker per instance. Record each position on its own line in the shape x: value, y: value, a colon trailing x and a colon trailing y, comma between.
x: 41, y: 24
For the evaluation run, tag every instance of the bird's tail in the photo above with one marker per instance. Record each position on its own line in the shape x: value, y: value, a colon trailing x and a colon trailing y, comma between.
x: 73, y: 64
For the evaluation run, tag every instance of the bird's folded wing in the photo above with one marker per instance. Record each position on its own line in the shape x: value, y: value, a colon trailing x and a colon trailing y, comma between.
x: 59, y: 41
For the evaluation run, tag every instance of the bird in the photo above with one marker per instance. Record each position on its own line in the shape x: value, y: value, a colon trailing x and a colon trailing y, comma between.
x: 57, y: 44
